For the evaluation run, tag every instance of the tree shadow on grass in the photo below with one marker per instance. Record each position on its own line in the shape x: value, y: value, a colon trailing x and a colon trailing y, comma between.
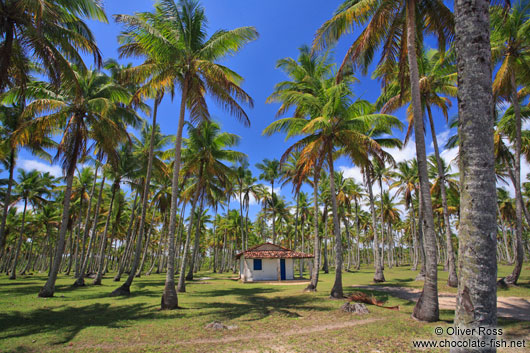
x: 255, y: 305
x: 65, y: 323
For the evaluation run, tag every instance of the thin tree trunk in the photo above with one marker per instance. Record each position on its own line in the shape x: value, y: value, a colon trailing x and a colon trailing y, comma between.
x: 519, y: 251
x: 7, y: 200
x: 19, y: 243
x: 378, y: 275
x: 196, y: 243
x: 99, y: 275
x: 312, y: 287
x: 127, y: 245
x: 49, y: 286
x: 452, y: 280
x: 125, y: 288
x: 336, y: 291
x: 80, y: 281
x: 476, y: 302
x: 426, y: 308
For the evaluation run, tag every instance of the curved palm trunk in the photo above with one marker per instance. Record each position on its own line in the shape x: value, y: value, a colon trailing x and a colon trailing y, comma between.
x: 169, y: 296
x: 125, y: 288
x: 519, y: 251
x: 99, y: 275
x: 80, y: 281
x: 476, y: 302
x: 19, y: 243
x: 427, y: 307
x: 49, y: 286
x: 312, y: 287
x: 378, y: 275
x: 336, y: 291
x: 7, y: 200
x: 147, y: 241
x: 452, y: 280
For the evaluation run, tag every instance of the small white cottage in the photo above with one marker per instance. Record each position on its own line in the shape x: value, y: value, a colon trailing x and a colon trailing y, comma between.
x: 268, y: 262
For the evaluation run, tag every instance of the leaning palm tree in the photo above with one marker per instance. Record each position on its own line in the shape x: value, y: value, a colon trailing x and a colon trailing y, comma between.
x: 92, y: 113
x: 181, y: 55
x: 51, y: 31
x: 510, y: 45
x: 396, y: 25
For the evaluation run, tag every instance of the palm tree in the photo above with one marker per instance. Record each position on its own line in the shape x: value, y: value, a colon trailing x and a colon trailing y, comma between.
x: 91, y: 113
x: 51, y: 31
x: 394, y: 25
x: 333, y: 124
x: 437, y: 78
x: 11, y: 119
x: 31, y: 188
x: 180, y: 54
x: 510, y: 45
x: 270, y: 171
x: 206, y: 149
x: 476, y: 299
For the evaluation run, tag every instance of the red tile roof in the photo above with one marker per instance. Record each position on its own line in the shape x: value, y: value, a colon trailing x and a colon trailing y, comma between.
x: 272, y: 251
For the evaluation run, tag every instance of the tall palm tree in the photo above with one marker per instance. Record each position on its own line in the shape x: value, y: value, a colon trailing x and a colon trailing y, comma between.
x: 333, y: 124
x: 395, y: 25
x: 206, y: 150
x: 437, y: 83
x: 510, y: 45
x: 270, y: 171
x: 476, y: 302
x: 52, y: 31
x: 31, y: 189
x: 92, y: 113
x: 181, y: 55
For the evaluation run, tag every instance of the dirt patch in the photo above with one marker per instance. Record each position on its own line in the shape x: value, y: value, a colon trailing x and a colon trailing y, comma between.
x: 507, y: 307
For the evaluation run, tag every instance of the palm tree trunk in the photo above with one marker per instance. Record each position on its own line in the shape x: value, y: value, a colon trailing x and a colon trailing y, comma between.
x: 125, y: 288
x: 19, y: 243
x: 452, y: 280
x: 182, y: 282
x: 196, y: 243
x: 427, y: 307
x: 7, y: 200
x: 312, y: 287
x: 80, y: 281
x: 169, y: 296
x: 476, y: 302
x: 87, y: 221
x: 378, y: 275
x: 147, y: 241
x: 519, y: 254
x: 127, y: 245
x: 336, y: 291
x: 99, y: 275
x: 49, y: 286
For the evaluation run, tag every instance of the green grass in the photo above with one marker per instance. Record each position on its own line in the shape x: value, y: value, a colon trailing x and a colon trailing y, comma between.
x: 268, y: 317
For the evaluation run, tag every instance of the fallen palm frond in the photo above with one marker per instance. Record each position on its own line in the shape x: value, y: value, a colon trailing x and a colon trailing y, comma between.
x: 364, y: 298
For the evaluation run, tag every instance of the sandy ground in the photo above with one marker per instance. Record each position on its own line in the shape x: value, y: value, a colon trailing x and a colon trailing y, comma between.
x: 507, y: 307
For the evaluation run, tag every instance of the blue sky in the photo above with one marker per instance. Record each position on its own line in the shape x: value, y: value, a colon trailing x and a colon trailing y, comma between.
x: 283, y: 27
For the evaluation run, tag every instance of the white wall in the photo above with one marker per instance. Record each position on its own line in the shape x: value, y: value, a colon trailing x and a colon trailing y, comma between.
x: 268, y: 272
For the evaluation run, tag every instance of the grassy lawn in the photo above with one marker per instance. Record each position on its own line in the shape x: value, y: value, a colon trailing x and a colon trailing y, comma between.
x: 268, y: 317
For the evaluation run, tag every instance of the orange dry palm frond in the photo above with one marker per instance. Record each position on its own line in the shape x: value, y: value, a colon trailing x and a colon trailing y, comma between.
x: 364, y: 298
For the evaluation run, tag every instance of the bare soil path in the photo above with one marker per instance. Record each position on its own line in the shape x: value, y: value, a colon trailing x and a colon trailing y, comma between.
x: 507, y: 307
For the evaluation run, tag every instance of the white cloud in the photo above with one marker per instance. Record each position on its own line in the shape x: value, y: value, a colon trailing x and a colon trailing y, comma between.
x: 31, y: 164
x: 442, y: 139
x: 404, y: 154
x: 450, y: 157
x: 352, y: 172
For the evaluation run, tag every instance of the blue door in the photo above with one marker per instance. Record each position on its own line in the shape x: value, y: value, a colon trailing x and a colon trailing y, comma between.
x: 282, y: 269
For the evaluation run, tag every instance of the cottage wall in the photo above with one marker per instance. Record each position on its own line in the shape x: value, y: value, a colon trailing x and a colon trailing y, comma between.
x: 269, y: 271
